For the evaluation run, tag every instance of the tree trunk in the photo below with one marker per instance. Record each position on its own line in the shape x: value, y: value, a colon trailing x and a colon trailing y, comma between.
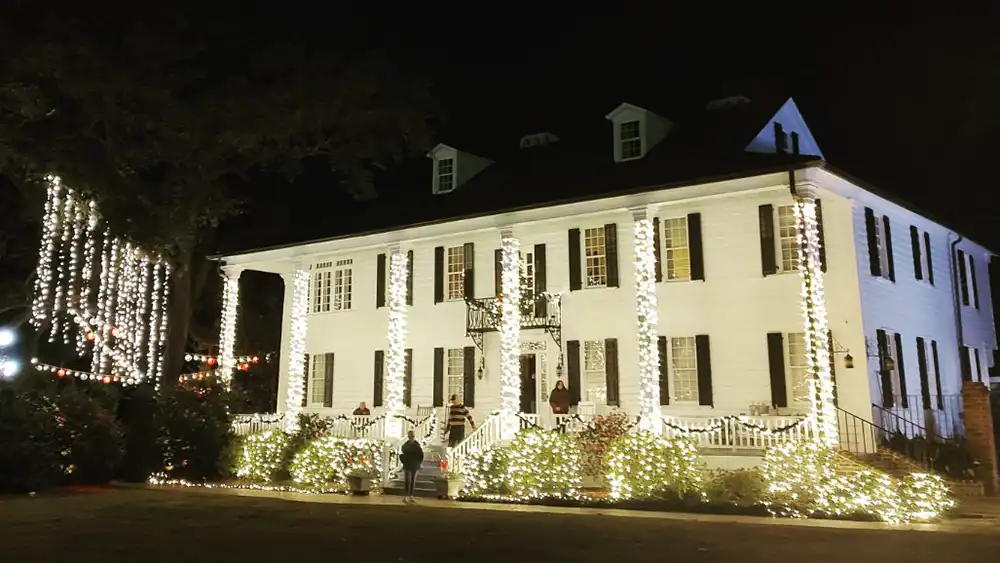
x: 178, y: 318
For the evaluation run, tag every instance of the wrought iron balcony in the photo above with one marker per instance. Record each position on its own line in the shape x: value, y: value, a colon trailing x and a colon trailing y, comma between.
x: 541, y: 312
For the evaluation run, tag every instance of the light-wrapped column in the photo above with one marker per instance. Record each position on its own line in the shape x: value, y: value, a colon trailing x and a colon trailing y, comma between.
x: 298, y: 328
x: 648, y: 323
x: 395, y: 380
x: 510, y: 333
x: 814, y: 321
x: 227, y: 330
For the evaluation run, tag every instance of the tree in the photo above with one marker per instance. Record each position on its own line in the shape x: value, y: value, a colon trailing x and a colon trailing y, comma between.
x: 162, y: 118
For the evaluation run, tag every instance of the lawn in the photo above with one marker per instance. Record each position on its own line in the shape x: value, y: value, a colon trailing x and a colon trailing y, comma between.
x: 115, y: 526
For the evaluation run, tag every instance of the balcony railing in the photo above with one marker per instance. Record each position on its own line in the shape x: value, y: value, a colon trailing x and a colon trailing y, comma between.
x: 484, y: 315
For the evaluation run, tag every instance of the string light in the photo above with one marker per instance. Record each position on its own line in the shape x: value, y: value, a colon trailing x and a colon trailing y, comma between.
x: 43, y: 279
x: 643, y: 465
x: 227, y: 336
x: 329, y: 460
x: 156, y: 300
x: 262, y: 455
x: 648, y: 325
x: 510, y: 334
x: 161, y: 479
x: 396, y: 354
x: 62, y: 372
x: 63, y: 208
x: 297, y: 349
x: 163, y: 314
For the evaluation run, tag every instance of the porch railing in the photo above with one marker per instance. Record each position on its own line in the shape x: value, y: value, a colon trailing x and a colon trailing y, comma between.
x: 246, y: 424
x: 487, y: 434
x: 739, y: 432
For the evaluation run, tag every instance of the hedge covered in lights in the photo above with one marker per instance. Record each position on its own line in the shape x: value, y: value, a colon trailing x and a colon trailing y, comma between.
x: 262, y: 456
x: 536, y: 464
x: 327, y: 461
x: 642, y: 465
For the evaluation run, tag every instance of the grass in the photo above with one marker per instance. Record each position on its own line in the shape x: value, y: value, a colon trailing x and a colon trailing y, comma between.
x: 112, y: 526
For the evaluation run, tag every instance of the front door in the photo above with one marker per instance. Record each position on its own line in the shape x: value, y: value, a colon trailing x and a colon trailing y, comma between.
x: 528, y: 392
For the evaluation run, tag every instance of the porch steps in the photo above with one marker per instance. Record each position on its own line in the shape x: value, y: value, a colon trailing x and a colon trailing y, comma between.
x: 430, y: 471
x: 895, y: 465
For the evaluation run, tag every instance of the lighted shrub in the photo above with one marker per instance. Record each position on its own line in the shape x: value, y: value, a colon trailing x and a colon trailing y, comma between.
x: 263, y: 455
x: 744, y: 487
x: 485, y: 472
x: 543, y: 464
x: 326, y: 462
x: 597, y: 438
x: 926, y: 496
x: 642, y: 465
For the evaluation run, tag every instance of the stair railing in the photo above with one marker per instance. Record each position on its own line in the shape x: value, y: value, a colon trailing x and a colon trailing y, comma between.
x: 486, y: 435
x: 863, y: 437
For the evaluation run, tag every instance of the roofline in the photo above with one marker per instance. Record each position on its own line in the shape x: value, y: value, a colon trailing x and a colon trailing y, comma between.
x: 897, y: 200
x: 690, y: 182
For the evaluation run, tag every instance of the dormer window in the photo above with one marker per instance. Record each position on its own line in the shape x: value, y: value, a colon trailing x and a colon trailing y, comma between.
x: 631, y: 142
x: 445, y: 175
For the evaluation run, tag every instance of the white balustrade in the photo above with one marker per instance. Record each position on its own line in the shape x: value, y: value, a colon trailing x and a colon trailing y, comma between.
x: 486, y: 435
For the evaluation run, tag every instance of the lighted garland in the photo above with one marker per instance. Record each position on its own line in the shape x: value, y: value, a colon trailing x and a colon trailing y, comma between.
x: 648, y: 325
x: 395, y: 377
x: 262, y: 455
x: 510, y: 334
x: 642, y: 465
x: 327, y: 461
x: 227, y: 330
x: 162, y: 480
x: 718, y: 426
x: 297, y: 349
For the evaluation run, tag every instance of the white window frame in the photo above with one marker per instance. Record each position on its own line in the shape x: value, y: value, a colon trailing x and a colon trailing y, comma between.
x: 442, y: 174
x: 932, y: 375
x: 455, y: 373
x: 969, y: 282
x: 528, y: 267
x: 343, y: 285
x: 684, y: 370
x: 317, y: 379
x: 883, y: 254
x: 454, y: 273
x: 595, y: 382
x: 925, y: 267
x: 632, y: 142
x: 890, y: 345
x: 797, y: 367
x: 787, y: 241
x: 595, y: 258
x: 676, y: 249
x: 321, y: 288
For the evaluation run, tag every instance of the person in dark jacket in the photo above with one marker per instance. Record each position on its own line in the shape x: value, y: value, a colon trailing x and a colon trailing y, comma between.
x: 362, y: 410
x: 411, y: 456
x: 559, y: 399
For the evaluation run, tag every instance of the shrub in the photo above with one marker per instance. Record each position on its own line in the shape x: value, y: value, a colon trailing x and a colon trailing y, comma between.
x: 543, y: 464
x: 597, y: 438
x: 485, y: 472
x: 326, y: 462
x: 195, y: 431
x: 262, y: 456
x: 29, y: 442
x: 743, y: 487
x: 89, y: 436
x: 642, y: 465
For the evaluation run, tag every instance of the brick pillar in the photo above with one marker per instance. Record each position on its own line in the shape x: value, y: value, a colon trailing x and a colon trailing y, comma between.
x: 979, y: 433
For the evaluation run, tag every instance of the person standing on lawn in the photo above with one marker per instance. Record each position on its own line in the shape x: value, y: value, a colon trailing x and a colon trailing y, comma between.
x: 457, y: 415
x: 411, y: 456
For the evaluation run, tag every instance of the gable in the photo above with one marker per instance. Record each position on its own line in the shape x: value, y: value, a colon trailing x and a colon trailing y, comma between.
x: 791, y: 121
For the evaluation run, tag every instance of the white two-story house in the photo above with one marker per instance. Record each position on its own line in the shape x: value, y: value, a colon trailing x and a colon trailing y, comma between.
x: 907, y: 298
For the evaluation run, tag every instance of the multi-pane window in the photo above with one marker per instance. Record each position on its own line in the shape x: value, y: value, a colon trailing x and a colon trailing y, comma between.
x: 527, y: 277
x: 317, y: 379
x: 684, y: 364
x: 446, y: 174
x: 342, y: 285
x: 456, y: 272
x: 594, y: 375
x: 676, y: 249
x: 889, y: 357
x: 798, y: 369
x: 456, y: 373
x: 788, y: 238
x: 320, y: 287
x: 880, y: 244
x: 597, y: 257
x: 630, y: 139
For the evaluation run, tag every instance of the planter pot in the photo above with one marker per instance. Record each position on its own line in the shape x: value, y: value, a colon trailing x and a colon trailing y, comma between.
x: 360, y: 485
x: 449, y: 488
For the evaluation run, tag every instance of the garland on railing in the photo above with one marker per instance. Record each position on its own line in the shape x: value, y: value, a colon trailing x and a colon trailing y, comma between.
x: 416, y: 424
x: 745, y: 424
x: 358, y: 426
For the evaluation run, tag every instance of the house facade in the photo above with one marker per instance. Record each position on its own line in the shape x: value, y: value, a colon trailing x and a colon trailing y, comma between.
x: 417, y: 308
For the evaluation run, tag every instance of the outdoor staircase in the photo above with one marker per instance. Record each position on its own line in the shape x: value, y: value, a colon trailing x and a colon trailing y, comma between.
x: 430, y: 471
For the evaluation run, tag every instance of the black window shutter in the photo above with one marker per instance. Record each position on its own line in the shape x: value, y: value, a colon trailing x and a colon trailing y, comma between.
x: 918, y: 266
x: 979, y: 371
x: 541, y: 305
x: 776, y: 366
x: 695, y: 246
x: 821, y: 234
x: 380, y: 281
x: 573, y: 370
x: 611, y: 370
x: 963, y: 281
x: 904, y: 401
x: 889, y: 258
x: 409, y: 277
x: 704, y: 356
x: 657, y: 253
x: 379, y: 378
x: 768, y: 258
x: 469, y: 283
x: 439, y: 377
x: 963, y: 358
x: 833, y: 367
x: 575, y: 269
x: 328, y: 380
x: 874, y: 263
x: 937, y: 374
x: 469, y: 376
x: 408, y: 377
x: 306, y: 382
x: 930, y: 258
x: 661, y: 345
x: 498, y: 271
x: 438, y: 274
x: 975, y: 286
x: 884, y: 374
x: 925, y: 384
x: 611, y: 251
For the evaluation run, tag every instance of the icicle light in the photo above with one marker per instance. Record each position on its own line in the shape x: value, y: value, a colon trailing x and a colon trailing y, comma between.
x: 395, y: 380
x: 227, y: 336
x: 646, y: 308
x: 510, y: 334
x: 297, y: 349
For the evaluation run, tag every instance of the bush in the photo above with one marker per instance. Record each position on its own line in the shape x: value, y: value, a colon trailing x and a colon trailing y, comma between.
x: 642, y: 465
x: 543, y: 464
x: 90, y: 437
x: 262, y: 456
x: 597, y: 438
x: 326, y: 462
x: 743, y: 487
x: 485, y: 472
x: 29, y: 442
x: 195, y: 431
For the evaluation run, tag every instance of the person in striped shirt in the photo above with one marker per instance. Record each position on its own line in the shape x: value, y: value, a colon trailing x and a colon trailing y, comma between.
x: 457, y: 415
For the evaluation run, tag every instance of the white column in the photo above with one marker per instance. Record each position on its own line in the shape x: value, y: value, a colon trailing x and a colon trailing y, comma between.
x: 288, y: 282
x: 298, y: 327
x: 396, y: 351
x: 648, y: 322
x: 814, y: 319
x: 227, y: 330
x: 510, y: 333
